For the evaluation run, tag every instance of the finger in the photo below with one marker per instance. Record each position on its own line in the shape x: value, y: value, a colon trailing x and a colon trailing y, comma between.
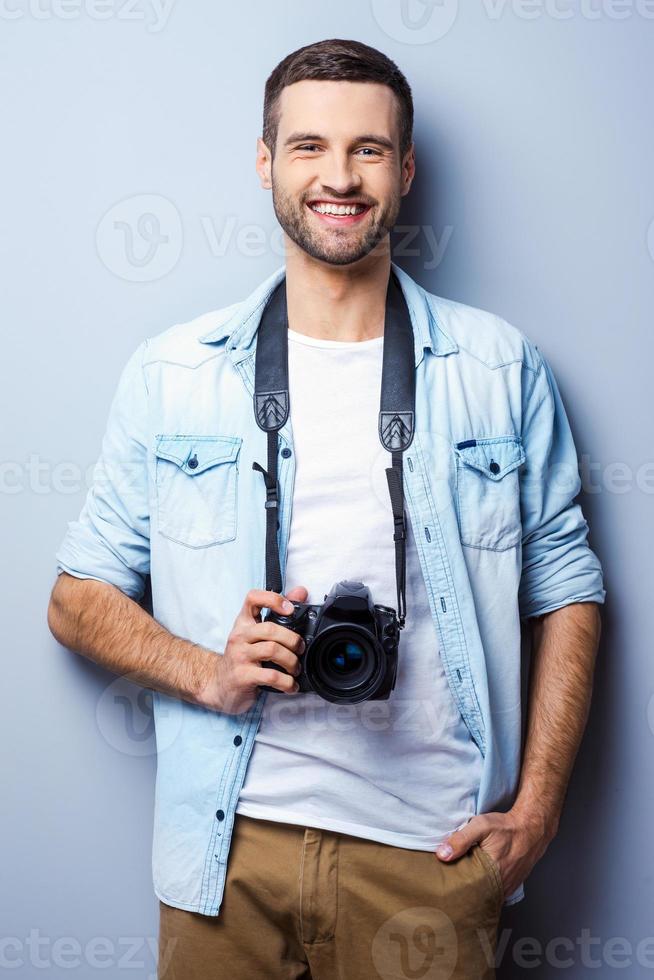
x: 267, y: 650
x: 298, y: 593
x: 461, y: 840
x: 258, y: 599
x: 274, y: 678
x: 274, y: 633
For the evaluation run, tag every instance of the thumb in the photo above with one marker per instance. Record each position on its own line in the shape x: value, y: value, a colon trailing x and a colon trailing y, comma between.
x: 460, y: 842
x: 297, y: 594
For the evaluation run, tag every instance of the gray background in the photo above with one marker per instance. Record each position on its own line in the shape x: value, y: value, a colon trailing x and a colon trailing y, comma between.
x: 535, y: 160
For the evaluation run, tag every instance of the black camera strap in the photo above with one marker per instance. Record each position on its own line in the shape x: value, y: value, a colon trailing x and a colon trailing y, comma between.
x: 396, y: 416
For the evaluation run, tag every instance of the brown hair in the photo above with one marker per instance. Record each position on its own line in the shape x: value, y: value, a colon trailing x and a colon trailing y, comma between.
x: 337, y: 60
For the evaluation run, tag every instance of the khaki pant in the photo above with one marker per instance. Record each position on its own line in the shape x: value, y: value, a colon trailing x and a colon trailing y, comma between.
x: 302, y: 902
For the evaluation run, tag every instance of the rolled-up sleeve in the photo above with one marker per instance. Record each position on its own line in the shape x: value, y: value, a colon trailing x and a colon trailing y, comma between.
x: 110, y: 541
x: 558, y: 565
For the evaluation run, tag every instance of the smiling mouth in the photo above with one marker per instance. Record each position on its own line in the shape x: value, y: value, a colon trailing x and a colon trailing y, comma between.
x: 334, y: 213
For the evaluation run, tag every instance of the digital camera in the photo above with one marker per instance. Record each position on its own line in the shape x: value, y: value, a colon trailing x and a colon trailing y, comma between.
x: 351, y: 645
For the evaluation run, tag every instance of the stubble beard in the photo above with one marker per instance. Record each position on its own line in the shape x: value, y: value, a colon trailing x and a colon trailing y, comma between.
x: 333, y: 245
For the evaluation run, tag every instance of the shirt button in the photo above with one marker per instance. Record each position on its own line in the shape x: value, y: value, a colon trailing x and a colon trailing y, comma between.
x: 220, y: 814
x: 192, y: 463
x: 286, y: 452
x: 237, y: 740
x: 494, y: 467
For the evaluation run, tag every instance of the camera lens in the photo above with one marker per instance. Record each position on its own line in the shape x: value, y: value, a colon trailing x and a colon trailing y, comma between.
x: 345, y: 664
x: 343, y: 657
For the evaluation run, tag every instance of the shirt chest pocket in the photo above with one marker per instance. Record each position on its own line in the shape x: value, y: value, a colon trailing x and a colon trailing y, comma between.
x: 196, y: 488
x: 488, y: 492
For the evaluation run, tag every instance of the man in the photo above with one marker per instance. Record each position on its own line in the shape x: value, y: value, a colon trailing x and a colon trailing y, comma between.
x: 294, y: 836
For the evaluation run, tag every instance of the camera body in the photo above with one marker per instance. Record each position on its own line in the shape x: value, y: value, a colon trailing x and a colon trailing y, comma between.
x: 351, y: 645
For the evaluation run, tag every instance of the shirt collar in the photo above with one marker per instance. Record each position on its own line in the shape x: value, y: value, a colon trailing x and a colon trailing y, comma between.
x: 241, y: 325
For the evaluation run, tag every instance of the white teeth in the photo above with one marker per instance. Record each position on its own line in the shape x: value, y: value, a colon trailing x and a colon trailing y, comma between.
x: 338, y: 208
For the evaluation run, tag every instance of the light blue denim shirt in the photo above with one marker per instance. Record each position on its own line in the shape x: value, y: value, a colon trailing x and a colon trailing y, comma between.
x: 490, y: 481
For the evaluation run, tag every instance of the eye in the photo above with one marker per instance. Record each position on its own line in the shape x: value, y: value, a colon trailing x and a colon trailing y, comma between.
x: 368, y: 149
x: 309, y: 146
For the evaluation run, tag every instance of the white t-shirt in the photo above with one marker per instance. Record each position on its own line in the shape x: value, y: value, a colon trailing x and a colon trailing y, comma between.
x: 403, y: 771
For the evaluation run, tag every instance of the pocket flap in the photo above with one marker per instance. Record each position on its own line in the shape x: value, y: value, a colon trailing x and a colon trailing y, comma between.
x: 494, y: 457
x: 195, y: 454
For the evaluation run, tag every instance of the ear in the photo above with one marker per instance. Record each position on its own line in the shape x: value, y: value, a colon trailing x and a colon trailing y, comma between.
x: 408, y: 169
x: 264, y: 164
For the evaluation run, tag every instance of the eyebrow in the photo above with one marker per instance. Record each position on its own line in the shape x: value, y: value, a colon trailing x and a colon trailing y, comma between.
x: 300, y: 137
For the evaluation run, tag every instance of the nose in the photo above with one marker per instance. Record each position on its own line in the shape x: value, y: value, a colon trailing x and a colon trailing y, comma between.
x: 338, y: 175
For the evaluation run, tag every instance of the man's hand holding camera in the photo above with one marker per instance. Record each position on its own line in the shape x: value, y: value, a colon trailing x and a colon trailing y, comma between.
x: 237, y: 673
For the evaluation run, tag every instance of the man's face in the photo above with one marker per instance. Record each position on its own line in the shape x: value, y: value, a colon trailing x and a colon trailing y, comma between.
x: 337, y: 145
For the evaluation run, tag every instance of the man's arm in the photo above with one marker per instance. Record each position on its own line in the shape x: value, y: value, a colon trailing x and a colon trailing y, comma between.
x: 97, y: 620
x: 560, y: 590
x: 564, y: 651
x: 560, y: 686
x: 103, y: 564
x: 102, y: 623
x: 104, y: 560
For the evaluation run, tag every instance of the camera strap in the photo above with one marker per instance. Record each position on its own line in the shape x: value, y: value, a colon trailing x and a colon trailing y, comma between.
x: 396, y: 416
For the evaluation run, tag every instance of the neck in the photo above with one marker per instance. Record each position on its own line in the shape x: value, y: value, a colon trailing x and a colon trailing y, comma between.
x: 332, y: 302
